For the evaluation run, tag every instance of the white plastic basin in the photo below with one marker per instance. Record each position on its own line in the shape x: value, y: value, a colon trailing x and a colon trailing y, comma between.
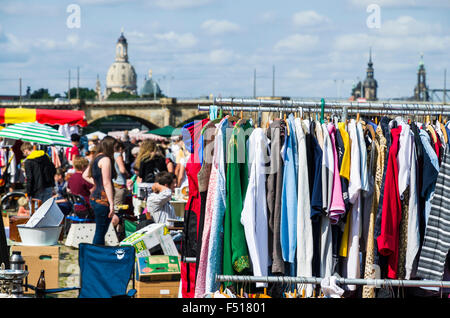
x: 47, y: 215
x: 39, y: 236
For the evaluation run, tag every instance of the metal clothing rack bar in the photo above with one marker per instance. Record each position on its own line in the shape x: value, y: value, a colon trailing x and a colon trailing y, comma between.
x: 386, y: 111
x: 339, y: 280
x: 369, y: 108
x: 317, y: 104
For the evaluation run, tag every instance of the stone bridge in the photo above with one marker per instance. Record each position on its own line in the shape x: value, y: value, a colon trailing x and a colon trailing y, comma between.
x: 160, y: 113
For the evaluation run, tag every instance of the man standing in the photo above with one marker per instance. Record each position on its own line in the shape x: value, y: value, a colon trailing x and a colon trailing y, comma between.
x: 39, y: 171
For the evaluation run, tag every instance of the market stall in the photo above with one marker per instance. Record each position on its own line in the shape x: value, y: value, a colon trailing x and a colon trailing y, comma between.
x: 43, y: 116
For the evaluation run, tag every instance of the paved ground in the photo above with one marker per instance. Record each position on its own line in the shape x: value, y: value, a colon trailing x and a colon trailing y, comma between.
x: 69, y: 271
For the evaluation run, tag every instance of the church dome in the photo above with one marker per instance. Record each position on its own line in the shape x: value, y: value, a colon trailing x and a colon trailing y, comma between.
x: 151, y: 87
x: 121, y: 76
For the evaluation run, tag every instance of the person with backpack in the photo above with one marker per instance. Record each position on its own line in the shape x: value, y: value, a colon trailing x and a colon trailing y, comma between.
x: 40, y: 173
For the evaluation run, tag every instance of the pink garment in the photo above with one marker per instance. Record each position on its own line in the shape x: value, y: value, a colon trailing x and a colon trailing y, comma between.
x: 200, y: 281
x: 337, y: 205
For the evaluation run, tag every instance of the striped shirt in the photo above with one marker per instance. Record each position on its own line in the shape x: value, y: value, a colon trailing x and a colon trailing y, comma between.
x: 437, y: 235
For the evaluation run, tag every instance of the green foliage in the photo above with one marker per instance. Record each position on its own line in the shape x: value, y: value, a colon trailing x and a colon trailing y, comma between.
x: 122, y: 95
x: 41, y: 93
x: 84, y: 92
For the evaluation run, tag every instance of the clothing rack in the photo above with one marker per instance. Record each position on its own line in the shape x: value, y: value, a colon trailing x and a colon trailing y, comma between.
x: 333, y: 107
x: 340, y: 280
x: 368, y: 108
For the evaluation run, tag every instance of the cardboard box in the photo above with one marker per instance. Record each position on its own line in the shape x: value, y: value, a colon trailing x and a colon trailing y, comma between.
x: 157, y: 289
x: 38, y: 258
x: 158, y: 268
x: 149, y: 237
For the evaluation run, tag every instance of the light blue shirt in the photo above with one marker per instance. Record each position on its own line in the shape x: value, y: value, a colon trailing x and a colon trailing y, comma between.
x: 288, y: 224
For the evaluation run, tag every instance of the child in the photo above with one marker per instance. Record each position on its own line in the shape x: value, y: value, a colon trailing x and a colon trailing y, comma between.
x: 78, y: 186
x: 158, y: 201
x: 23, y: 202
x: 133, y: 187
x: 61, y: 191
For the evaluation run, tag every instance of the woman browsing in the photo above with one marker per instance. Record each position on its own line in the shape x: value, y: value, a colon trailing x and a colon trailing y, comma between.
x: 100, y: 173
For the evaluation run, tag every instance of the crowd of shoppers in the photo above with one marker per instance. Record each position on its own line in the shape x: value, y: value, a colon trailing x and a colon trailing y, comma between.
x: 106, y: 177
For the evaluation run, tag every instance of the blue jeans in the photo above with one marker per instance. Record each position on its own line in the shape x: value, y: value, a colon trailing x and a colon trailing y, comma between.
x: 44, y: 195
x: 101, y: 222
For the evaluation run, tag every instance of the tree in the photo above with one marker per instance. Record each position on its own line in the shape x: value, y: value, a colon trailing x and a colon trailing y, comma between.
x: 84, y: 93
x: 41, y: 93
x: 122, y: 95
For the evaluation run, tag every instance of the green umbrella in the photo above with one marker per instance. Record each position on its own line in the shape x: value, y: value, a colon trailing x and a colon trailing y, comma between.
x: 37, y: 133
x: 166, y: 131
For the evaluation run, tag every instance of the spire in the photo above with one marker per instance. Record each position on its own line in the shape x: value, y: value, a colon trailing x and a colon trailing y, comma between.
x: 122, y: 49
x: 370, y: 57
x: 421, y: 63
x: 98, y: 89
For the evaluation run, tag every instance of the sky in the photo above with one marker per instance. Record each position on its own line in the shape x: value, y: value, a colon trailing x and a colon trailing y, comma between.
x: 200, y: 47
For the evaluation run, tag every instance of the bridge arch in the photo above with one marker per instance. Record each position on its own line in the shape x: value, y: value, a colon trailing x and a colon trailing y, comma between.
x: 118, y: 122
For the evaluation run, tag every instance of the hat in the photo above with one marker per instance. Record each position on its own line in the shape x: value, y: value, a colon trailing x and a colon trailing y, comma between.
x: 95, y: 137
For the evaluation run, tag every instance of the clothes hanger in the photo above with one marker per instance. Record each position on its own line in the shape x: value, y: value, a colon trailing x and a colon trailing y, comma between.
x: 233, y: 118
x: 214, y: 121
x: 287, y: 124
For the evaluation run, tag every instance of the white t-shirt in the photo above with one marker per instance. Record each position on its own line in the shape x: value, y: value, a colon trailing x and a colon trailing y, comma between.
x: 159, y: 207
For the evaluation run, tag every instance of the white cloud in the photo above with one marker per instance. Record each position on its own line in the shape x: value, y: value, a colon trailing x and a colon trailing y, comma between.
x: 20, y: 8
x: 216, y: 27
x: 180, y: 4
x: 401, y: 3
x: 419, y: 43
x: 102, y: 2
x: 408, y: 26
x: 268, y: 16
x: 298, y: 74
x: 213, y: 57
x: 297, y: 42
x: 221, y: 56
x: 186, y: 40
x: 309, y: 18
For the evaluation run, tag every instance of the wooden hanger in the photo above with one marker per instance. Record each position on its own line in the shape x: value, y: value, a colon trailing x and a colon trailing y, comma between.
x: 287, y: 125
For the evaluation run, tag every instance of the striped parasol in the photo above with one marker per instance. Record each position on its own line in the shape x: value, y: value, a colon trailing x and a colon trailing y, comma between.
x: 37, y: 133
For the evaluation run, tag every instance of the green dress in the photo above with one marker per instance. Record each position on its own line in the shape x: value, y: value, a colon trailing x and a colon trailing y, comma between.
x: 235, y: 253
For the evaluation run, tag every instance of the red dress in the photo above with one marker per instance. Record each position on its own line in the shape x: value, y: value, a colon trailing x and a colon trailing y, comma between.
x: 192, y: 212
x: 391, y: 213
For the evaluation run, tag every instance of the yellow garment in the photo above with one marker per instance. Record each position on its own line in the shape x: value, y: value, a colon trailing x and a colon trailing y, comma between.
x: 345, y: 167
x: 343, y: 249
x: 433, y: 133
x: 19, y: 115
x: 444, y: 132
x: 36, y: 153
